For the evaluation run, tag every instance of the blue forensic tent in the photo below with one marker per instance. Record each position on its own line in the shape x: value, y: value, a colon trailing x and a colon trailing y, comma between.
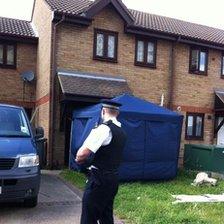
x: 154, y: 134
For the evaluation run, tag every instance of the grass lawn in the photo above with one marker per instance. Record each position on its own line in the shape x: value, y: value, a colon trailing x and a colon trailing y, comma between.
x: 151, y: 202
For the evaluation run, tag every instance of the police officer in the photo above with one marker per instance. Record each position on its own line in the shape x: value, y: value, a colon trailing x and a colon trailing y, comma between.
x: 106, y: 142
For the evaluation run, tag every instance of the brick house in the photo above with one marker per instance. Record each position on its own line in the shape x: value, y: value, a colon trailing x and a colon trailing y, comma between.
x: 82, y: 51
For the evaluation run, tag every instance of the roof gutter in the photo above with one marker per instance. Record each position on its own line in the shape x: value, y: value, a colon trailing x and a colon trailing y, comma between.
x: 201, y: 43
x: 18, y: 38
x: 52, y: 90
x: 80, y: 20
x: 137, y: 30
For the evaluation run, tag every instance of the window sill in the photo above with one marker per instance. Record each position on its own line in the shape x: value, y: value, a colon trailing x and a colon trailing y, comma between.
x: 194, y: 138
x: 105, y: 59
x: 198, y: 73
x: 8, y: 67
x: 145, y: 65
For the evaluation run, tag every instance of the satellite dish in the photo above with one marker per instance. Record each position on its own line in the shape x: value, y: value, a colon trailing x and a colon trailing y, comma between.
x: 28, y: 76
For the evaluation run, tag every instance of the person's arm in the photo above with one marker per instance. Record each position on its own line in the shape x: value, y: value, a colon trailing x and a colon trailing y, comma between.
x: 93, y: 142
x: 82, y: 155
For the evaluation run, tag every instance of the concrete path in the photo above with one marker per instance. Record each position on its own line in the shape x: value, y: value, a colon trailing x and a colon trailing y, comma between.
x: 59, y: 203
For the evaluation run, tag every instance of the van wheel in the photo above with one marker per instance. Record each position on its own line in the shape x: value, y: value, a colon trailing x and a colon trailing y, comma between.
x: 31, y: 202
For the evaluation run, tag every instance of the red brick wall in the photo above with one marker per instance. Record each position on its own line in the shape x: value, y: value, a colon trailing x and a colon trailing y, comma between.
x: 13, y: 90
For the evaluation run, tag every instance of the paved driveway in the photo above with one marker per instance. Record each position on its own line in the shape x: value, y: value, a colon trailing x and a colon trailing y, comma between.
x: 59, y: 203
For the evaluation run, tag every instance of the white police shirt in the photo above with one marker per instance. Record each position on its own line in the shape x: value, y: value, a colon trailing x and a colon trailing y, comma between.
x: 100, y: 136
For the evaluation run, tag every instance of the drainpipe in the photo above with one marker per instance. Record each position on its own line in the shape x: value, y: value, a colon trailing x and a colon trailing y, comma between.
x: 172, y: 74
x: 52, y: 90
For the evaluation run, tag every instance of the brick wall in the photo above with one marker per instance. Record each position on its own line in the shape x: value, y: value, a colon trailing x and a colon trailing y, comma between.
x: 42, y: 20
x: 13, y: 90
x: 195, y: 93
x: 75, y: 52
x: 192, y: 93
x: 196, y: 90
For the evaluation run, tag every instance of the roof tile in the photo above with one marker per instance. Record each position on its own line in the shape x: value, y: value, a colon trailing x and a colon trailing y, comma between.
x: 16, y: 27
x: 89, y: 85
x: 73, y: 7
x: 149, y: 21
x: 178, y: 27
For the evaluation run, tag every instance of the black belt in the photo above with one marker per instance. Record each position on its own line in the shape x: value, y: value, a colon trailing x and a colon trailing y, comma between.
x: 105, y: 172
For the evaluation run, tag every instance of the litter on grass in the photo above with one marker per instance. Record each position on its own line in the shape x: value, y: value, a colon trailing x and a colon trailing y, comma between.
x: 209, y: 198
x: 203, y: 178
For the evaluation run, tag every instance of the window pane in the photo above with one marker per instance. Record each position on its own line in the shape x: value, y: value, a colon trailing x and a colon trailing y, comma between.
x: 140, y: 51
x: 111, y: 46
x: 13, y: 123
x: 194, y: 60
x: 198, y: 126
x: 150, y: 55
x: 1, y: 54
x: 202, y: 61
x: 10, y: 55
x: 99, y: 45
x: 190, y: 122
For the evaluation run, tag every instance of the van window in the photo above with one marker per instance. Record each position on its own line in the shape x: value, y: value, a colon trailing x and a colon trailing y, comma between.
x: 13, y: 123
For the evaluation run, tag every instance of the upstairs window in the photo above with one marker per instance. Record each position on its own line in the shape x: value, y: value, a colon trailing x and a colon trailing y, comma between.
x: 145, y: 53
x: 222, y: 66
x: 198, y: 61
x: 105, y: 45
x: 7, y: 55
x: 194, y: 126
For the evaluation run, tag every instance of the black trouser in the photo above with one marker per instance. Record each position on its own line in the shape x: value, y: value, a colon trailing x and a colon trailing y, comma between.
x: 98, y: 198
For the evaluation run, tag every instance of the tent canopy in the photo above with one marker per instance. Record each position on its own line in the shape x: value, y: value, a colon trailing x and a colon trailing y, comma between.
x: 134, y: 107
x: 153, y: 132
